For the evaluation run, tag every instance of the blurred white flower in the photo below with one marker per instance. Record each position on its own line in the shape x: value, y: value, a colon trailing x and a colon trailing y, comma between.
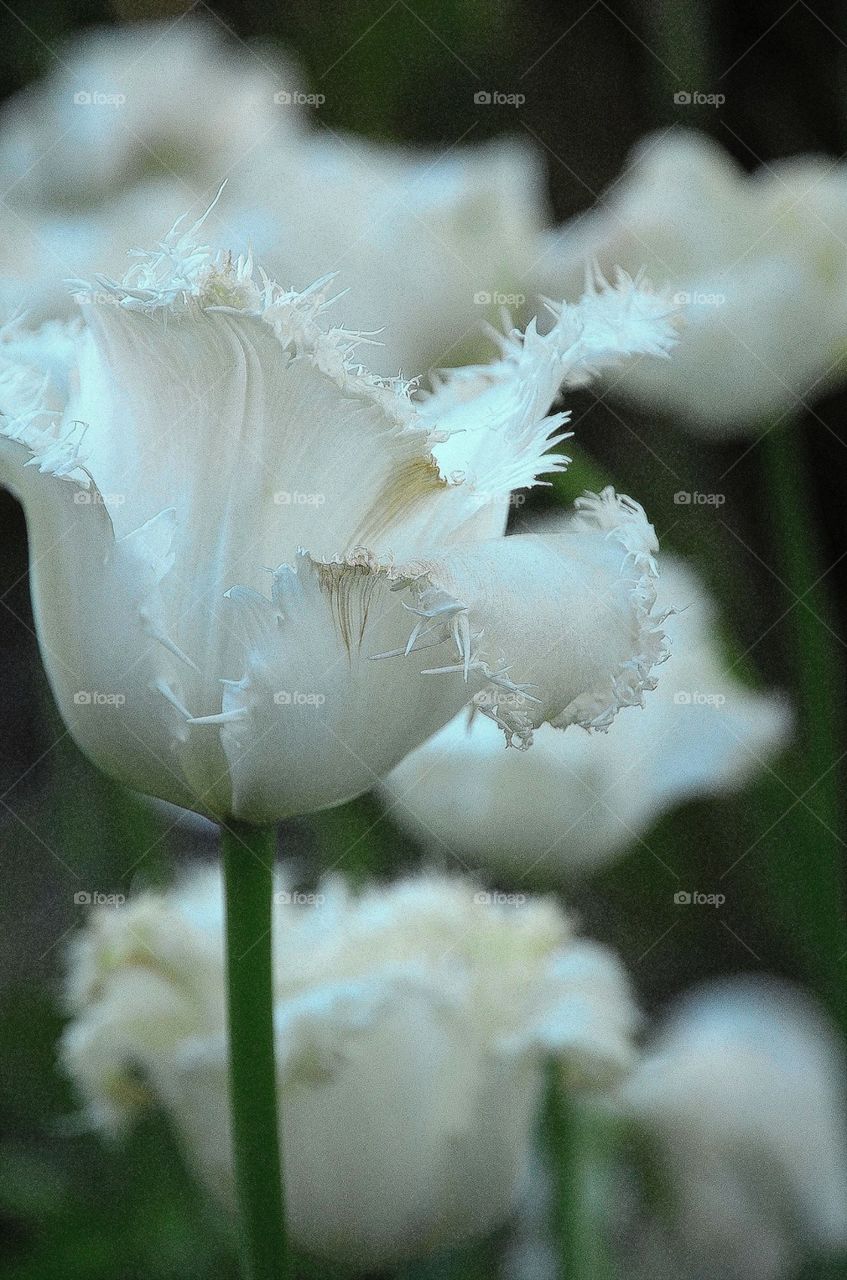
x: 413, y: 1024
x: 152, y: 99
x: 576, y: 801
x: 742, y: 1095
x: 758, y: 263
x: 454, y: 230
x: 230, y: 520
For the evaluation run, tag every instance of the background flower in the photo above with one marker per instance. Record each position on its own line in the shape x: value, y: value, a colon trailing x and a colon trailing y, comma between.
x: 758, y: 263
x: 412, y: 1027
x: 742, y: 1093
x: 577, y: 801
x: 456, y: 234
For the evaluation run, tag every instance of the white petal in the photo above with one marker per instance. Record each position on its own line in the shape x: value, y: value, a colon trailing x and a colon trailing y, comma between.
x: 310, y: 719
x: 555, y: 627
x: 574, y: 802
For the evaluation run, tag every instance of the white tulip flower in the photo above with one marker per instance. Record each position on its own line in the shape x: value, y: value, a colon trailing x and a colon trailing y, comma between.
x: 413, y: 1024
x: 758, y: 264
x: 742, y: 1096
x: 577, y: 801
x: 230, y: 521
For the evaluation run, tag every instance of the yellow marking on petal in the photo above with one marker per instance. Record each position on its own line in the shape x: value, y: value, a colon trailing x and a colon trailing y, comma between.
x: 410, y: 487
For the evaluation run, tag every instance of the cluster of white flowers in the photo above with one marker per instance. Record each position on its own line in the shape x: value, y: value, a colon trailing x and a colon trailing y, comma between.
x: 412, y: 1026
x: 288, y: 577
x: 454, y: 233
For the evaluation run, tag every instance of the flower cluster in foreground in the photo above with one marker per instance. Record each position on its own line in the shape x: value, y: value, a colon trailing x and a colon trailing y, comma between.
x: 413, y: 1024
x: 577, y: 801
x: 261, y: 575
x: 412, y: 1028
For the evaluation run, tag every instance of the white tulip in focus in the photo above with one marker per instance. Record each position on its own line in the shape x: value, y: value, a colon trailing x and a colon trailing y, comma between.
x: 262, y: 575
x: 758, y: 264
x: 742, y: 1097
x: 576, y: 801
x: 412, y: 1028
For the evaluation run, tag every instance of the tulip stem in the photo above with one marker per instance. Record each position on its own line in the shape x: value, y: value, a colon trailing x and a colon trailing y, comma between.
x: 581, y: 1248
x: 248, y: 859
x: 805, y: 867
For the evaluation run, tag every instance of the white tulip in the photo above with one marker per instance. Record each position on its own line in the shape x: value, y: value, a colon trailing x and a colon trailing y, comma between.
x: 758, y: 264
x: 742, y: 1095
x: 413, y: 1024
x: 230, y: 520
x: 577, y: 801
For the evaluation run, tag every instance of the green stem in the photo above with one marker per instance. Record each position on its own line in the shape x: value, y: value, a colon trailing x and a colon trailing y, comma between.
x: 809, y: 879
x: 567, y: 1131
x: 248, y: 858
